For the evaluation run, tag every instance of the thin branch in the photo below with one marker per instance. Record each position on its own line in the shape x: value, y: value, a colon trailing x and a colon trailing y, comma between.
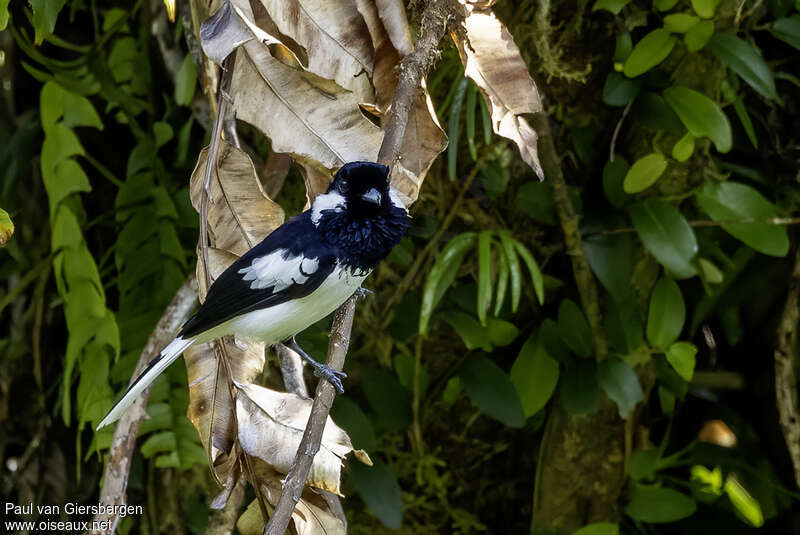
x: 120, y: 455
x: 785, y: 374
x: 587, y: 286
x: 411, y: 70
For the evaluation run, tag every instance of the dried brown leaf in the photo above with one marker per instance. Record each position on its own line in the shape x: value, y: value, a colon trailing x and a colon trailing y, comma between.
x: 241, y: 215
x: 271, y: 425
x: 493, y: 61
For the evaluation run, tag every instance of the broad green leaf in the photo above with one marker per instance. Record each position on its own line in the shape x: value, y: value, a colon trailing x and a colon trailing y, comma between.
x: 649, y: 52
x: 502, y: 280
x: 666, y: 234
x: 624, y: 326
x: 378, y: 487
x: 697, y: 38
x: 644, y: 172
x: 484, y: 300
x: 573, y: 328
x: 45, y: 14
x: 681, y: 356
x: 442, y: 276
x: 490, y: 388
x: 163, y: 133
x: 580, y: 392
x: 613, y: 177
x: 666, y: 315
x: 787, y: 30
x: 658, y: 505
x: 387, y: 397
x: 711, y: 273
x: 533, y: 267
x: 653, y: 111
x: 611, y: 259
x: 614, y: 6
x: 705, y: 8
x: 66, y: 179
x: 472, y: 333
x: 664, y: 5
x: 6, y: 227
x: 701, y: 115
x: 746, y: 61
x: 644, y: 463
x: 59, y: 144
x: 534, y: 375
x: 454, y: 125
x: 599, y: 528
x: 680, y: 22
x: 349, y: 416
x: 666, y: 400
x: 185, y: 82
x: 620, y: 90
x: 550, y: 337
x: 621, y: 384
x: 733, y: 201
x: 683, y: 148
x: 404, y: 367
x: 452, y: 390
x: 746, y: 504
x: 3, y: 14
x: 535, y: 200
x: 622, y: 48
x: 501, y: 333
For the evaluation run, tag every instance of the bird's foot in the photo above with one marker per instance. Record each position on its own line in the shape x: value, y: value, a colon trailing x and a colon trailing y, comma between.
x: 334, y: 377
x: 362, y: 292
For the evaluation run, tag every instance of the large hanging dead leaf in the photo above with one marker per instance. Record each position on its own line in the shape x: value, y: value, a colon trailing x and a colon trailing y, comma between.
x: 271, y: 425
x: 309, y: 518
x: 493, y: 61
x: 241, y: 215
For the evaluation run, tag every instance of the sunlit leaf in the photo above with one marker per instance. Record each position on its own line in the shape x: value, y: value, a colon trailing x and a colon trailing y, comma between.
x: 651, y: 50
x: 701, y: 115
x: 681, y: 356
x: 644, y: 172
x: 442, y: 275
x: 534, y: 375
x: 667, y: 313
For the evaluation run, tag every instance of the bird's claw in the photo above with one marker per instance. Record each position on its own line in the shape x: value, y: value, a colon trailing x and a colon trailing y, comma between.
x: 334, y: 377
x: 362, y: 292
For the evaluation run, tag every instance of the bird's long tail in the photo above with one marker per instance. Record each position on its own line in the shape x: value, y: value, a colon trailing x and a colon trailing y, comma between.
x: 153, y: 370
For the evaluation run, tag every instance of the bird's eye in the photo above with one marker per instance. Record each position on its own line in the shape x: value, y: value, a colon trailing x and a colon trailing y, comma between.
x: 344, y: 185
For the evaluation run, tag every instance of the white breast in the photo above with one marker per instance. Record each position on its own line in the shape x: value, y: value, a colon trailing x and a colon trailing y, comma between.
x: 279, y: 322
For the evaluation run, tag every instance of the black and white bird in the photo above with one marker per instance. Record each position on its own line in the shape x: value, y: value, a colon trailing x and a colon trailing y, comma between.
x: 300, y: 273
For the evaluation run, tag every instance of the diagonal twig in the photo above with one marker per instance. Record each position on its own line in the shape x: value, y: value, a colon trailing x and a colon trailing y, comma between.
x: 435, y: 20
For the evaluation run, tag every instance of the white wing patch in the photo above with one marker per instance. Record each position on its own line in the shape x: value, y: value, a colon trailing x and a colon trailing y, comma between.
x: 327, y: 201
x: 279, y: 272
x: 398, y: 200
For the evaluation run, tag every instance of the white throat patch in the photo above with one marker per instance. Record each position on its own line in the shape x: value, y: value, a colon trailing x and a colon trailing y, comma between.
x: 327, y: 201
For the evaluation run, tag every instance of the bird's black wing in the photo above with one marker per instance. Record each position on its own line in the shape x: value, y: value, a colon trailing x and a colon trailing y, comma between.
x: 289, y: 264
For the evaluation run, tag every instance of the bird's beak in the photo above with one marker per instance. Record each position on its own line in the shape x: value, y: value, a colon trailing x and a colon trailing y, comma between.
x: 374, y: 196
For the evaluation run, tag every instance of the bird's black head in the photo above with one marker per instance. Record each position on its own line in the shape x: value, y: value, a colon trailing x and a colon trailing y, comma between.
x: 361, y: 214
x: 364, y: 186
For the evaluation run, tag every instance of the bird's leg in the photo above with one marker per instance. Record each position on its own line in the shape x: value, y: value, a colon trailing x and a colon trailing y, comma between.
x: 362, y: 292
x: 334, y: 377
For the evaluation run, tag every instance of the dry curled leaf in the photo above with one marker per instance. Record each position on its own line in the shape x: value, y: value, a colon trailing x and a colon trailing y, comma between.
x: 493, y: 61
x: 241, y: 215
x: 271, y: 425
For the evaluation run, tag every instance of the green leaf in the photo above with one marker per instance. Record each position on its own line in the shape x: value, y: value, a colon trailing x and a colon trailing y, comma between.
x: 472, y: 92
x: 733, y: 201
x: 404, y: 367
x: 644, y: 172
x: 611, y: 259
x: 442, y: 276
x: 535, y: 200
x: 45, y: 14
x: 701, y: 115
x: 501, y: 333
x: 620, y: 90
x: 744, y: 118
x: 644, y: 463
x: 484, y: 300
x: 454, y: 126
x: 697, y: 38
x: 711, y: 273
x: 6, y: 227
x: 502, y: 280
x: 66, y: 179
x: 681, y: 356
x: 746, y: 61
x: 185, y: 82
x: 680, y: 22
x: 599, y: 528
x: 666, y: 234
x: 744, y: 503
x: 613, y: 177
x: 705, y: 8
x: 614, y: 6
x: 580, y: 392
x: 658, y: 505
x: 621, y: 384
x: 787, y: 30
x: 534, y: 375
x: 163, y: 133
x: 59, y: 144
x: 472, y: 333
x: 533, y: 267
x: 347, y: 414
x: 378, y: 487
x: 452, y: 390
x: 622, y: 48
x: 573, y: 328
x: 3, y: 14
x: 649, y: 52
x: 624, y: 326
x: 490, y: 388
x: 664, y: 5
x: 666, y: 315
x: 683, y: 148
x: 387, y: 397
